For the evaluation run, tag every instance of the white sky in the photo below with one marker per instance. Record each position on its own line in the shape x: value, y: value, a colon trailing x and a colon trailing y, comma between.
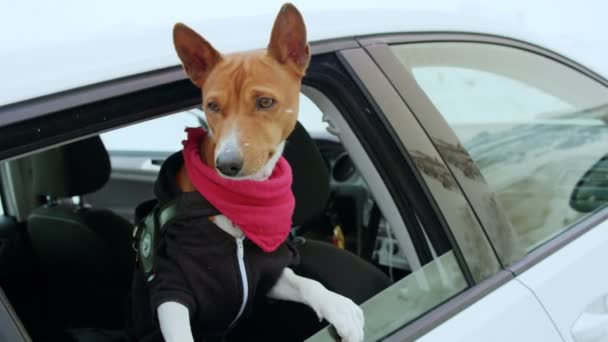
x: 48, y: 46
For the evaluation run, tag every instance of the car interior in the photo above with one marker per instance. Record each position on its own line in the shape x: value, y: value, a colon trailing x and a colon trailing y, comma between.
x: 68, y: 262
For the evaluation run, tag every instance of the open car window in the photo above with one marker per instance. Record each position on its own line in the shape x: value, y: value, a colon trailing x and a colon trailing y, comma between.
x: 417, y: 287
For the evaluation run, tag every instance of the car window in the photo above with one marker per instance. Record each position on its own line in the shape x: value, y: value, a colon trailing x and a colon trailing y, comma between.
x: 535, y: 128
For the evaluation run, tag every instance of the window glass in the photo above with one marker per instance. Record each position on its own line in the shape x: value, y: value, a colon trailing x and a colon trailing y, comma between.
x: 408, y: 298
x: 536, y: 129
x: 412, y: 296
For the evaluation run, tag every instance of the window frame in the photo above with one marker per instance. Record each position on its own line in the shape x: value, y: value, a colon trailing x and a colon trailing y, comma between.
x: 379, y: 49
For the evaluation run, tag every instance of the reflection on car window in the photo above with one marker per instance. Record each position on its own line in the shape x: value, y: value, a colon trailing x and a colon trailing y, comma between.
x: 409, y: 298
x: 536, y: 129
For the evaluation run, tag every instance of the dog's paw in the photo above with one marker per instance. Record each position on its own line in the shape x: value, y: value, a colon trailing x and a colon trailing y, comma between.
x: 339, y: 311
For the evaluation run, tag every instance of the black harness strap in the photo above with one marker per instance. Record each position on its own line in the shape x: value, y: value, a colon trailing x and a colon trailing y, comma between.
x: 148, y: 232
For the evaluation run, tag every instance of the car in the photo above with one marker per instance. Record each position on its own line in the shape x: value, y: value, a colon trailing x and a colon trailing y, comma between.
x: 452, y: 158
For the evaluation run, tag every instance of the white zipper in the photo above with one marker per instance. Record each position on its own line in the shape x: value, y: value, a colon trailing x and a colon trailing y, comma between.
x: 240, y: 255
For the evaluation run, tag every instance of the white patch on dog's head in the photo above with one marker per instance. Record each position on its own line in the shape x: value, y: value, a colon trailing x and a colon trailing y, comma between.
x: 229, y: 142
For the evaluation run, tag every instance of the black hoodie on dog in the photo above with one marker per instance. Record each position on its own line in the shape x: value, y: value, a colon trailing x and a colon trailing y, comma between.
x: 200, y: 266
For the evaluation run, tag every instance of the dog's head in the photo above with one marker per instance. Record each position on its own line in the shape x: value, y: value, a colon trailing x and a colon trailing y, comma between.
x: 251, y: 99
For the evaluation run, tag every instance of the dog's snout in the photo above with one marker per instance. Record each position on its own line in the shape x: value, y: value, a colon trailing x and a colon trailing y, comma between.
x: 229, y: 163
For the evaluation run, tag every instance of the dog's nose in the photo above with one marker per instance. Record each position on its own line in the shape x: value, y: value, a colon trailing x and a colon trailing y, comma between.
x: 229, y: 163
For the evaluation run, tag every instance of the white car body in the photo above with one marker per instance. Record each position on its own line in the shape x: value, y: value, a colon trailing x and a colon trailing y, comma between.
x: 64, y: 45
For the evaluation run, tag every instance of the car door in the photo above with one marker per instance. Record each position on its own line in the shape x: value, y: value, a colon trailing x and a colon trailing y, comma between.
x: 533, y: 127
x: 497, y: 302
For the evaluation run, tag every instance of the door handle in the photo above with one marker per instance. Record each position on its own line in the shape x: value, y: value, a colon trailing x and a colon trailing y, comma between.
x: 592, y: 324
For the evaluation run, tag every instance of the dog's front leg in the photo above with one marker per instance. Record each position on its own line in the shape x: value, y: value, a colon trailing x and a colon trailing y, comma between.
x: 338, y: 310
x: 174, y: 320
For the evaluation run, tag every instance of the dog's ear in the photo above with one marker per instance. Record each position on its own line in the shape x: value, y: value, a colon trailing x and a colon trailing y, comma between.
x: 288, y: 42
x: 197, y: 55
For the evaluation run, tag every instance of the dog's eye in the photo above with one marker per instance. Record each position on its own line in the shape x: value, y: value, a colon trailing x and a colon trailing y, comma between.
x: 264, y: 103
x: 212, y: 106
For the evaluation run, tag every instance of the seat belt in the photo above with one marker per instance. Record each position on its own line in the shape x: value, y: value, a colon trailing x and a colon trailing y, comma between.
x: 147, y: 233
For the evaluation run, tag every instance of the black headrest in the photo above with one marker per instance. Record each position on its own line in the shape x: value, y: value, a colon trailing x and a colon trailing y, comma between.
x: 310, y: 175
x: 70, y: 170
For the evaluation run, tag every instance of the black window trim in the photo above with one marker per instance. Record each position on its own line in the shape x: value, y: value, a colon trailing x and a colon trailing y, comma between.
x: 51, y: 119
x: 420, y: 108
x: 16, y: 112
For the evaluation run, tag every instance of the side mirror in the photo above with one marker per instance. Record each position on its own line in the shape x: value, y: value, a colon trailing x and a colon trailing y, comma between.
x: 591, y: 191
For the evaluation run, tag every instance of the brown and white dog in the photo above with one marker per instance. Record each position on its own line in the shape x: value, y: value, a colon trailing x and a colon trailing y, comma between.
x: 251, y: 102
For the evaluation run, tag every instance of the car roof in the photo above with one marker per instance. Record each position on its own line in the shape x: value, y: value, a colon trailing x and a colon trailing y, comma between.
x: 48, y: 47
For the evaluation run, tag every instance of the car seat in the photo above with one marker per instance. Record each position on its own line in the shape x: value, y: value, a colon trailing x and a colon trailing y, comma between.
x: 85, y: 252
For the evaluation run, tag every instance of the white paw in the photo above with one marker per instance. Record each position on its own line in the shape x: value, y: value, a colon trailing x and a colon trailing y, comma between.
x: 339, y: 311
